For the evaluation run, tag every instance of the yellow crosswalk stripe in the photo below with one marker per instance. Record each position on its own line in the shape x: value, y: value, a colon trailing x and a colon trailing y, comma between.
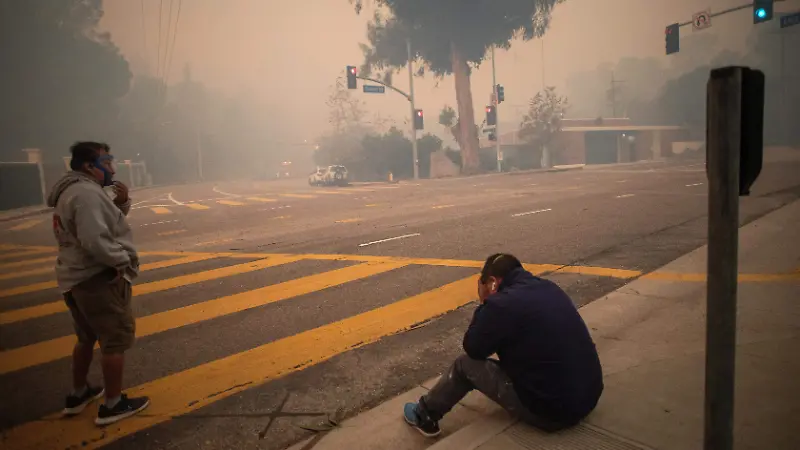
x: 160, y: 210
x: 26, y: 225
x: 26, y: 273
x: 197, y: 206
x: 25, y: 253
x: 33, y: 312
x: 230, y: 203
x: 353, y: 220
x: 27, y: 262
x: 46, y: 351
x: 194, y: 388
x: 261, y: 199
x: 52, y: 284
x: 298, y: 195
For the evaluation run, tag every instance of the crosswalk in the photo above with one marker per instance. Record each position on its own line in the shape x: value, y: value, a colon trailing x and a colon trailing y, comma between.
x: 191, y: 308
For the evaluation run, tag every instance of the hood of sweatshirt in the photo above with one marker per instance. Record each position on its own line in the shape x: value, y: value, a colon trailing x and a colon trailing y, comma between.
x: 66, y: 181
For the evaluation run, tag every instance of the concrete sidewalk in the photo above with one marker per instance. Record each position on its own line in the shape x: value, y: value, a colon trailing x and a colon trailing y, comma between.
x: 651, y: 339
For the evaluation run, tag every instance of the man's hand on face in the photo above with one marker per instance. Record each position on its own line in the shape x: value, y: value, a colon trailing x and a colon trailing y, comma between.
x: 483, y: 292
x: 121, y: 192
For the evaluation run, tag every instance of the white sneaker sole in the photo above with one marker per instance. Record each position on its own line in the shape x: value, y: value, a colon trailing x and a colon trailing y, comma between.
x: 113, y: 419
x: 79, y: 409
x: 421, y: 431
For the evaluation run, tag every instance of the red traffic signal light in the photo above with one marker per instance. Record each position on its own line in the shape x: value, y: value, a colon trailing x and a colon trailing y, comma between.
x: 491, y: 115
x: 419, y: 121
x: 351, y: 77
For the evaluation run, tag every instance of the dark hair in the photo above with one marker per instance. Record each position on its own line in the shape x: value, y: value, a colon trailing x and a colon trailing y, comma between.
x: 499, y: 265
x: 84, y: 152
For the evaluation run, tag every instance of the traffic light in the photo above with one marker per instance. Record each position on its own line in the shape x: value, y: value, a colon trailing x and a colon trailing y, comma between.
x: 351, y: 77
x: 419, y: 120
x: 491, y: 115
x: 492, y: 137
x: 501, y: 93
x: 762, y: 10
x: 673, y: 38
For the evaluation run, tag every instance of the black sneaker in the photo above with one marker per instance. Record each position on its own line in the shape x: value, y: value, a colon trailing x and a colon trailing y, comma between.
x: 420, y: 421
x: 75, y: 405
x: 125, y: 408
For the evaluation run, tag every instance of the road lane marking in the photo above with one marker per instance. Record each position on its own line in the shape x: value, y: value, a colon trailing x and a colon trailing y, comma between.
x: 196, y: 206
x: 218, y: 241
x: 282, y: 217
x: 171, y: 233
x: 159, y: 223
x: 330, y: 192
x: 227, y: 194
x: 298, y: 195
x: 25, y: 253
x: 372, y: 205
x: 230, y: 203
x: 160, y: 210
x: 600, y: 271
x: 26, y: 273
x: 442, y: 206
x: 625, y: 195
x: 180, y: 393
x: 51, y: 350
x: 28, y: 262
x: 389, y: 239
x: 172, y: 199
x: 695, y: 184
x: 26, y: 225
x: 16, y: 315
x: 527, y: 213
x: 353, y: 220
x: 261, y: 199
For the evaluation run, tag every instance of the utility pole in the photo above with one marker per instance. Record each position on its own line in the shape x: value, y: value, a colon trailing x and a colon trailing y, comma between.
x: 613, y: 94
x: 495, y: 98
x: 199, y: 154
x: 413, y: 109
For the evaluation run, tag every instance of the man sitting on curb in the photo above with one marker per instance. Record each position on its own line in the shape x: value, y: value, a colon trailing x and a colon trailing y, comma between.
x: 548, y: 373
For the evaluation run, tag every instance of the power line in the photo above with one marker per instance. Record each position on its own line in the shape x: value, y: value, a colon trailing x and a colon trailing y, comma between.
x: 166, y: 40
x: 158, y: 55
x: 174, y: 38
x: 144, y: 36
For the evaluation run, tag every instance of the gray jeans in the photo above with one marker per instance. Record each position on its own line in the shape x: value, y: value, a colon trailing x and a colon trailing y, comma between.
x: 487, y: 377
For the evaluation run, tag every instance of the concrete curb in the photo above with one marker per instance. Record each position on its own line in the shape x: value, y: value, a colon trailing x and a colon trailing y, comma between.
x: 554, y: 169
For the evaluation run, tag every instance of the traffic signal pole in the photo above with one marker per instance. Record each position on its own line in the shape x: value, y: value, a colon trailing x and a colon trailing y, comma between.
x: 496, y: 102
x: 413, y: 109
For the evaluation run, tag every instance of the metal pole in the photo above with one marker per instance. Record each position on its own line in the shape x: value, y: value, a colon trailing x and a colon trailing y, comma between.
x: 496, y: 102
x: 413, y: 109
x: 199, y: 155
x: 723, y: 135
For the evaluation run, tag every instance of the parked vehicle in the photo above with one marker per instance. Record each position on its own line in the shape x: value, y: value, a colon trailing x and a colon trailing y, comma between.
x: 329, y: 176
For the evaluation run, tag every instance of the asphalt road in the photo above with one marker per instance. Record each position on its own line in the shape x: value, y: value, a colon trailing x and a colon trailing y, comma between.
x: 261, y: 297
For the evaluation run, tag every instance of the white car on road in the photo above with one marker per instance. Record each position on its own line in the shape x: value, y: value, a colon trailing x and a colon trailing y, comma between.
x: 329, y: 176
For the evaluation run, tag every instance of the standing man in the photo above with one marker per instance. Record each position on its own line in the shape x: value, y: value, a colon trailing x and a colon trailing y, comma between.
x: 548, y: 373
x: 96, y: 263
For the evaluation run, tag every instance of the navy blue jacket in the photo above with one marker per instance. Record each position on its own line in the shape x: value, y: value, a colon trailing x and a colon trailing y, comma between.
x: 543, y: 345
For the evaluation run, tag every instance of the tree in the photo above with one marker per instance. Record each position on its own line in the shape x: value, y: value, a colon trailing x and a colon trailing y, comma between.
x: 543, y: 121
x: 450, y: 37
x: 60, y: 77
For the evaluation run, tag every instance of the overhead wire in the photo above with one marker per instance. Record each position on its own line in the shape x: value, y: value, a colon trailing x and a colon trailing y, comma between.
x: 158, y: 54
x: 144, y: 37
x: 166, y: 41
x: 171, y: 51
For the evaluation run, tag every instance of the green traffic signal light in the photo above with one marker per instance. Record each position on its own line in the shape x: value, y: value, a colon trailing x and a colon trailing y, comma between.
x: 762, y: 10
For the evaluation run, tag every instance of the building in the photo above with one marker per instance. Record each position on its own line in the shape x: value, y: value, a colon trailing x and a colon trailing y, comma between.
x: 601, y: 141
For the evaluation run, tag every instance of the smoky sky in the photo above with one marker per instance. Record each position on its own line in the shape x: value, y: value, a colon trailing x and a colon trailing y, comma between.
x: 285, y: 55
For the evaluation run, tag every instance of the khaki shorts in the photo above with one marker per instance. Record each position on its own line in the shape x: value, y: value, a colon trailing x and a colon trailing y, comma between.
x: 101, y: 311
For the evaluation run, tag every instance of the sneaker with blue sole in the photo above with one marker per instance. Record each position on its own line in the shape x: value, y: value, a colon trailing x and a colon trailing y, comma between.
x: 420, y: 421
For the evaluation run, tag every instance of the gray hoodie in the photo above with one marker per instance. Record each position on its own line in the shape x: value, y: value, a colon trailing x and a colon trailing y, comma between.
x: 91, y: 231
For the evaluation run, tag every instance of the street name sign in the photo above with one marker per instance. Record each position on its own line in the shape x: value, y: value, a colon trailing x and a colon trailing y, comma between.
x: 790, y: 19
x: 370, y: 89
